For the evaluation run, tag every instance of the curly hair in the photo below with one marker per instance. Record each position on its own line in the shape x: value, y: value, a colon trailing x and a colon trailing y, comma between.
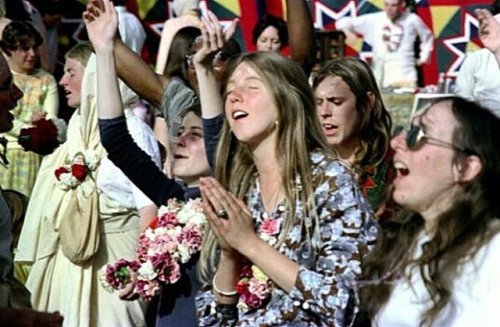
x: 469, y: 223
x: 19, y: 34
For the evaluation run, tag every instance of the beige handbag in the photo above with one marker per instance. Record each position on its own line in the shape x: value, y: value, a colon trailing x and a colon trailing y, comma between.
x: 79, y: 229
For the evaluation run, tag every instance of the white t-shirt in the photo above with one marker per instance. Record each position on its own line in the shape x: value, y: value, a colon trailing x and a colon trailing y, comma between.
x: 479, y: 80
x: 475, y: 298
x: 392, y: 44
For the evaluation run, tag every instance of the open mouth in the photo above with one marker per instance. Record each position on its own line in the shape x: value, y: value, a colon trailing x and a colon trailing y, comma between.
x: 238, y: 114
x: 330, y: 129
x: 401, y: 168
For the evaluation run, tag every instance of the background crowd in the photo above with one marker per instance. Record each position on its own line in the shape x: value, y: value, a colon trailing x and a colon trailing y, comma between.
x: 319, y: 211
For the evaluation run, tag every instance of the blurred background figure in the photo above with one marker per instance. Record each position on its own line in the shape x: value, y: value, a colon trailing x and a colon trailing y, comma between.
x: 270, y: 34
x: 392, y: 34
x: 479, y: 76
x: 19, y: 45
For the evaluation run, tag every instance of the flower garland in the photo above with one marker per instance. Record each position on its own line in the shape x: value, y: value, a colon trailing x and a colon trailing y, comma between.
x: 254, y: 287
x: 172, y: 239
x: 77, y: 170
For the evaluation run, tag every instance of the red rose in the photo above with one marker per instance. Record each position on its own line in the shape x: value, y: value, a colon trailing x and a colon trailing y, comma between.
x: 41, y: 139
x: 79, y: 171
x: 59, y: 171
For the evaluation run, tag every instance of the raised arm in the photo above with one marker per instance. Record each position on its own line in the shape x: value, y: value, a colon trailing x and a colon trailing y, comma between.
x: 301, y: 34
x: 213, y: 40
x: 102, y: 25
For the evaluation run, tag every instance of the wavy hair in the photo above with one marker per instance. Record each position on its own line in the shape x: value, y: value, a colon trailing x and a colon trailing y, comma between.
x: 469, y: 223
x: 18, y: 34
x: 299, y: 132
x: 375, y: 128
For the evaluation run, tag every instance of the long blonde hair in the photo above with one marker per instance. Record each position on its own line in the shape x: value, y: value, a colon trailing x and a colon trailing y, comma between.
x: 299, y: 132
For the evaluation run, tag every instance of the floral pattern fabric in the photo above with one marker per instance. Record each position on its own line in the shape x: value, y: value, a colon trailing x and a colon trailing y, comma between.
x: 323, y: 294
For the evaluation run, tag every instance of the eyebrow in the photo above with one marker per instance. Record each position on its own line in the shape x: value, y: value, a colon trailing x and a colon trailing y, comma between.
x: 231, y: 81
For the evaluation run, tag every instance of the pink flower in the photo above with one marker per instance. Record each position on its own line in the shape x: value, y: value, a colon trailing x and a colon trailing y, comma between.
x: 147, y: 289
x: 192, y: 238
x: 270, y: 226
x: 259, y: 289
x: 168, y: 220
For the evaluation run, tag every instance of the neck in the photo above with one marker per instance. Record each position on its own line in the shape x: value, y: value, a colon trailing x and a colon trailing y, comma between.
x: 347, y: 152
x: 431, y: 214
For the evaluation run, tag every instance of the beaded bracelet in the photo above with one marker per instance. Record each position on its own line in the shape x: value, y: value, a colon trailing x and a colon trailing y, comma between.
x: 223, y: 293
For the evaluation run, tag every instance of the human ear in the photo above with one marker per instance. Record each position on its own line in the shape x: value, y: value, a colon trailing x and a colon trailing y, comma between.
x: 468, y: 169
x: 372, y: 99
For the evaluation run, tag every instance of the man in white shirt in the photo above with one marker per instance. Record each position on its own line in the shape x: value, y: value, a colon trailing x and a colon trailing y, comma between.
x: 479, y: 77
x: 392, y: 34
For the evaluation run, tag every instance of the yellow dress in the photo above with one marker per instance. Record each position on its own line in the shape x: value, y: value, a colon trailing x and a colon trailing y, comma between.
x: 40, y: 94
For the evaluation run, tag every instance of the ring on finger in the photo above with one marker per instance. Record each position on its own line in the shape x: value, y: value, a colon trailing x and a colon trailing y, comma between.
x: 222, y: 213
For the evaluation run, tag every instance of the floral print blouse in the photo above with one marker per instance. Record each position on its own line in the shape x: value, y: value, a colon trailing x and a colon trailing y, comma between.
x: 323, y: 294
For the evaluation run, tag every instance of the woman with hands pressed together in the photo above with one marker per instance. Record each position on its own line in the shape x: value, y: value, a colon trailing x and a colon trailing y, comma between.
x: 288, y: 224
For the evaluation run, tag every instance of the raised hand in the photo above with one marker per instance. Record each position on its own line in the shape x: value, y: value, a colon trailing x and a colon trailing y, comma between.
x: 101, y: 21
x: 213, y: 38
x: 489, y: 30
x: 229, y: 217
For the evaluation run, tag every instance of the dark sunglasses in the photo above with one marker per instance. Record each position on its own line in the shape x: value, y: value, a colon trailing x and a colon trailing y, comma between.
x: 415, y: 138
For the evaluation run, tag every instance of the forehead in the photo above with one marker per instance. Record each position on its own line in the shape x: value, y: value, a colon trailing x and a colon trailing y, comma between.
x: 73, y: 64
x: 333, y: 83
x: 392, y: 2
x: 439, y: 117
x: 191, y: 120
x: 243, y: 71
x: 269, y: 31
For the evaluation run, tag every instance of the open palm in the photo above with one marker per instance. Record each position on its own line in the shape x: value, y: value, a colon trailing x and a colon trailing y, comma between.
x: 101, y: 21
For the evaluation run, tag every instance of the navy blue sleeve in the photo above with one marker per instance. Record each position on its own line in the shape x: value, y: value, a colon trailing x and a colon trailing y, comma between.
x: 211, y: 131
x: 135, y: 163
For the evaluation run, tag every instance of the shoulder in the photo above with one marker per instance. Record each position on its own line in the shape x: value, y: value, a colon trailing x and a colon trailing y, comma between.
x: 45, y: 76
x: 325, y: 163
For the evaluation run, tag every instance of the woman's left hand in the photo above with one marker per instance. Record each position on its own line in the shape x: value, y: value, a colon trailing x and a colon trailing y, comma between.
x: 228, y: 216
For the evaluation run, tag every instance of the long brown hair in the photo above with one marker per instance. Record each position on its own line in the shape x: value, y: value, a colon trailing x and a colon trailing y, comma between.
x: 299, y: 132
x: 469, y: 223
x: 375, y: 128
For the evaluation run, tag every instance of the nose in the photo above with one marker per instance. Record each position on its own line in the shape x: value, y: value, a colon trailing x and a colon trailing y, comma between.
x: 62, y: 81
x: 180, y: 141
x: 234, y: 96
x: 324, y: 110
x: 399, y: 141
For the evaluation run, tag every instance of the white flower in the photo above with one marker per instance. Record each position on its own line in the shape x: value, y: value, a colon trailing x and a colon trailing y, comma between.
x: 91, y: 159
x: 146, y: 271
x: 183, y: 251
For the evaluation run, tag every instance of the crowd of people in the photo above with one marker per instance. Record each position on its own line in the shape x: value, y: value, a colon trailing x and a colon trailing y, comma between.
x: 318, y: 211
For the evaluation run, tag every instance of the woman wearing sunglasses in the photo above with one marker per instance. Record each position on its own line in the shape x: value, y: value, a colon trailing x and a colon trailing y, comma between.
x: 436, y: 263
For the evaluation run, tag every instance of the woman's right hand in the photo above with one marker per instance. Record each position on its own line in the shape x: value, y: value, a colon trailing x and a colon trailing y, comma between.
x: 213, y: 38
x: 128, y: 293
